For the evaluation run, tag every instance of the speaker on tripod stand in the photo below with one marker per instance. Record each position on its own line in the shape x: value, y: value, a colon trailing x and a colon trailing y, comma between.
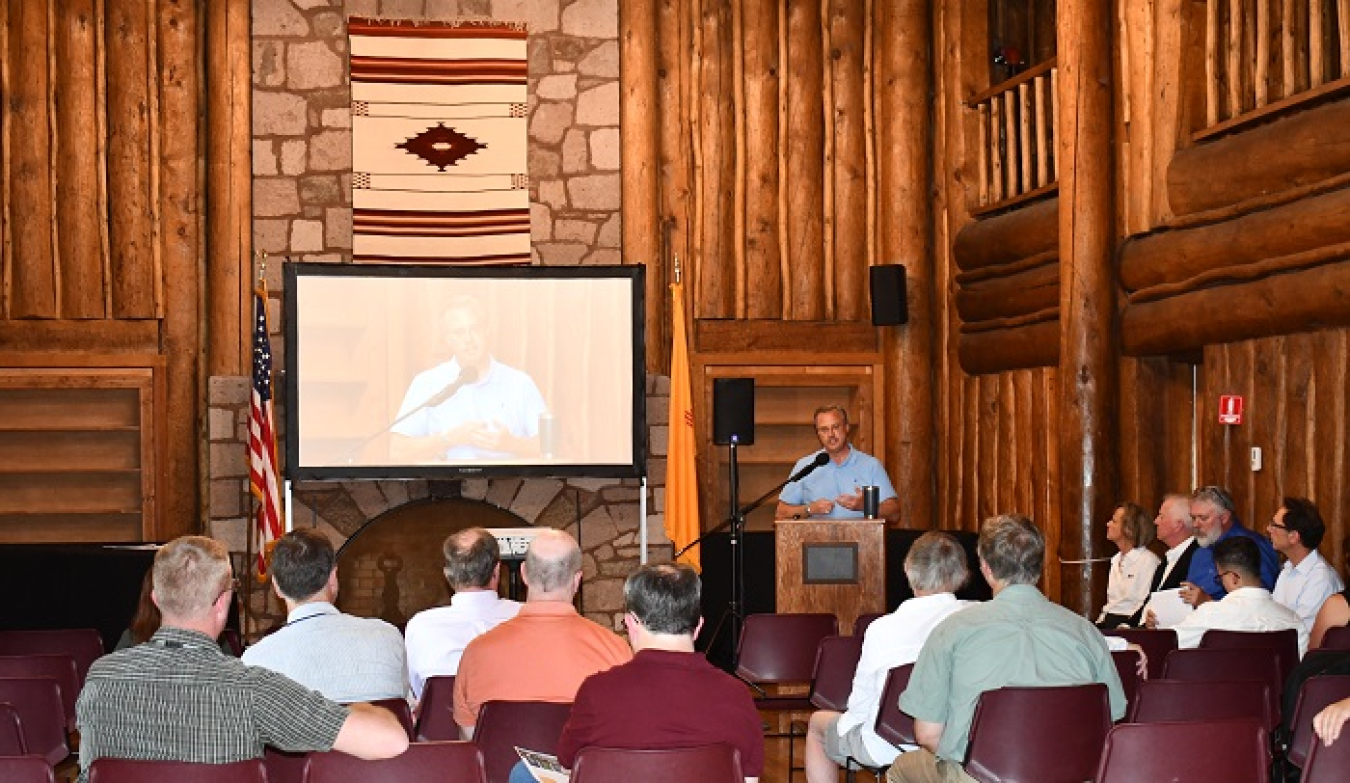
x: 733, y: 426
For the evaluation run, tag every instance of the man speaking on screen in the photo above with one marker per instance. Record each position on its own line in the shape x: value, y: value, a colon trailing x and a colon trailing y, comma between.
x: 472, y: 407
x: 829, y: 483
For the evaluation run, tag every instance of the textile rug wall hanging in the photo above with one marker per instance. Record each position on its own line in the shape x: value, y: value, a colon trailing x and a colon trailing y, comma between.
x: 439, y: 151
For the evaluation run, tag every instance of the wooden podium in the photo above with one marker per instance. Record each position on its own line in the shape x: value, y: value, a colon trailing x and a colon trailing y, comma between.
x: 829, y: 565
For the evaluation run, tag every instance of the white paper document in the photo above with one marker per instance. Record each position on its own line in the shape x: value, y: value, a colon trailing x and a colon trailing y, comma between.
x: 1168, y: 607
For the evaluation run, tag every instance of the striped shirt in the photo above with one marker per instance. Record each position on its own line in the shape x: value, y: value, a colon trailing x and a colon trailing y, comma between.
x: 179, y: 698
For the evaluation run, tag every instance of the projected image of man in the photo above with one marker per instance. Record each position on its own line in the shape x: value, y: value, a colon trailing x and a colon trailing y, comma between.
x: 471, y: 407
x: 832, y: 489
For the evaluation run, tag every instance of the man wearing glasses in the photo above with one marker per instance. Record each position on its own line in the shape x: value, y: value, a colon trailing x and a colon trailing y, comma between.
x: 1215, y: 518
x: 1246, y: 606
x: 1307, y: 579
x: 832, y: 489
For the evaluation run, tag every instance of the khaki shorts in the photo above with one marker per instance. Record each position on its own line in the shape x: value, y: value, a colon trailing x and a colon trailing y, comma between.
x: 849, y: 745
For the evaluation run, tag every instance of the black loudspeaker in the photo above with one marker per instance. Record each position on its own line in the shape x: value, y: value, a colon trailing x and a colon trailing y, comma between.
x: 733, y: 410
x: 889, y: 305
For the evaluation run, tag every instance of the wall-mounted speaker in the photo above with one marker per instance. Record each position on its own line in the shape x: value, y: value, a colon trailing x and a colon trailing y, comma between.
x: 733, y: 411
x: 889, y: 305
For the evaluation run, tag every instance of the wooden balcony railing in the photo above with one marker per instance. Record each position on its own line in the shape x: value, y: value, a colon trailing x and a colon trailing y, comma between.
x: 1264, y: 52
x: 1016, y: 147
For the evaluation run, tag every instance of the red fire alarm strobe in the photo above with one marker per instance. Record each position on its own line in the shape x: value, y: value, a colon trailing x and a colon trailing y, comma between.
x: 1230, y: 409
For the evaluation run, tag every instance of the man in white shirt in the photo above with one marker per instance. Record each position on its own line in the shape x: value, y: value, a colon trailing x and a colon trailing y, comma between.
x: 1246, y: 606
x: 1307, y: 579
x: 436, y: 638
x: 1177, y: 531
x: 344, y: 657
x: 936, y: 568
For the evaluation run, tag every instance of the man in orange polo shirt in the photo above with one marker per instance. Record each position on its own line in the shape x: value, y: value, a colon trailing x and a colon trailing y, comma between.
x: 546, y: 651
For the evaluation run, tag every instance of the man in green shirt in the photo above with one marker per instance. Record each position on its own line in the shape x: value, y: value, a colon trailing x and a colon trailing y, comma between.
x: 1017, y: 639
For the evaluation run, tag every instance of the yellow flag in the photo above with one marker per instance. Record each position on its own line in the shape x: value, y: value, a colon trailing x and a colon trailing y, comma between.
x: 682, y: 525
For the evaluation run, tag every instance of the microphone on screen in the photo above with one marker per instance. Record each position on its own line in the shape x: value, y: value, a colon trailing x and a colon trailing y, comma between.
x: 821, y: 459
x: 466, y: 376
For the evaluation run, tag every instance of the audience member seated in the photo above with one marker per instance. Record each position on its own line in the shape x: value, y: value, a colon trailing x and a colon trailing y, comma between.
x: 1018, y: 638
x: 436, y: 638
x: 1307, y: 580
x: 346, y: 658
x: 146, y: 620
x: 668, y: 696
x: 1177, y: 531
x: 1246, y: 605
x: 179, y: 698
x: 545, y: 652
x: 1330, y: 720
x: 1215, y: 520
x: 1335, y: 612
x: 1132, y: 568
x: 936, y: 569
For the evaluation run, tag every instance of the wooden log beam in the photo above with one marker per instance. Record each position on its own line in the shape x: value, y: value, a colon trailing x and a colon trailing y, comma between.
x: 1008, y: 237
x: 131, y: 204
x: 1297, y: 150
x: 848, y: 214
x: 641, y: 141
x: 715, y: 160
x: 803, y: 138
x: 79, y: 193
x: 31, y: 274
x: 1087, y: 357
x: 1299, y: 301
x: 673, y: 152
x: 1000, y: 350
x: 1180, y: 254
x: 1015, y: 294
x: 902, y: 85
x: 763, y: 252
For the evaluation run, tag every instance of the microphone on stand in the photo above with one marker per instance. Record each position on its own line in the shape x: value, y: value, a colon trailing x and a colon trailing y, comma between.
x: 820, y: 460
x: 466, y: 376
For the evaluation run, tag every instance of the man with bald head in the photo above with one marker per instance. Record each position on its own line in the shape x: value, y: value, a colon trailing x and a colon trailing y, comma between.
x: 548, y: 649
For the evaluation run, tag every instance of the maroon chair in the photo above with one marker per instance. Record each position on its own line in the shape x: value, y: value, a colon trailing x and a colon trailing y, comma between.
x: 422, y: 762
x: 1127, y: 666
x: 1336, y: 638
x: 863, y: 620
x: 1170, y: 701
x: 1316, y: 693
x: 1232, y: 751
x: 836, y: 661
x: 82, y: 644
x: 1328, y: 764
x: 285, y: 767
x: 504, y: 725
x: 58, y: 667
x: 893, y: 725
x: 717, y: 763
x: 1234, y: 663
x: 780, y: 649
x: 230, y: 638
x: 401, y: 711
x: 1155, y: 643
x: 11, y: 732
x: 1047, y: 735
x: 1284, y: 643
x: 41, y: 716
x: 26, y: 769
x: 436, y: 714
x: 110, y: 770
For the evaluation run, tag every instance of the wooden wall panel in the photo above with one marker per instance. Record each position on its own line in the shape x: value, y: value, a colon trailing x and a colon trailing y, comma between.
x: 763, y: 252
x: 79, y: 159
x: 1155, y: 429
x: 715, y: 139
x: 30, y: 280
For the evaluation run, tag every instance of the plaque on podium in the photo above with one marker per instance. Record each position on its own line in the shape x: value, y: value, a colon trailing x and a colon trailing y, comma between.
x: 831, y: 565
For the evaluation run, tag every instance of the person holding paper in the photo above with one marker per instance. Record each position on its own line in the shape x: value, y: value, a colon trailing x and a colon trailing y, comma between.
x: 1215, y: 518
x: 1246, y: 606
x: 1176, y: 531
x: 833, y: 489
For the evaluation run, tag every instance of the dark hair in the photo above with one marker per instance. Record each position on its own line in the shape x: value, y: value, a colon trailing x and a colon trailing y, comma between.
x: 1301, y: 516
x: 1136, y: 524
x: 471, y: 557
x: 1013, y: 548
x: 1240, y: 554
x: 302, y: 562
x: 665, y: 598
x: 147, y: 618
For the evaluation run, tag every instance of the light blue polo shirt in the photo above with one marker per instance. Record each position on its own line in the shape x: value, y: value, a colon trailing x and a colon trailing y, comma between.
x: 831, y: 480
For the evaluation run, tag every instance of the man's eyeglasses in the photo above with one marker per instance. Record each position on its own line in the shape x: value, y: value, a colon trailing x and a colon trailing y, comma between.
x: 1278, y: 526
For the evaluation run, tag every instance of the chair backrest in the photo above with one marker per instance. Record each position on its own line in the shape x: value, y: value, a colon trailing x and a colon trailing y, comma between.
x: 1049, y: 735
x: 1316, y: 693
x: 230, y: 638
x: 1156, y: 643
x: 1127, y: 666
x: 1284, y: 643
x: 26, y: 769
x: 863, y: 620
x: 110, y: 770
x: 1336, y: 638
x: 436, y: 714
x: 781, y: 648
x: 41, y: 716
x: 893, y: 725
x: 11, y: 732
x: 422, y: 762
x: 1163, y: 701
x: 284, y: 766
x: 1328, y: 764
x: 58, y: 667
x: 503, y: 725
x: 1233, y: 751
x: 83, y: 644
x: 717, y: 763
x: 1228, y: 664
x: 401, y: 711
x: 836, y: 661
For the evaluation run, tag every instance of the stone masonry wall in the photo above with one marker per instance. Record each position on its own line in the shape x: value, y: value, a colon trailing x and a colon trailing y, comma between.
x: 302, y: 210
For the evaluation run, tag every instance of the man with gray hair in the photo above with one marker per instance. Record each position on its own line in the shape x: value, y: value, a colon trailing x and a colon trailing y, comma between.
x: 546, y: 651
x: 1176, y: 530
x: 936, y: 568
x: 437, y: 637
x: 179, y: 698
x: 1215, y: 517
x: 1018, y: 638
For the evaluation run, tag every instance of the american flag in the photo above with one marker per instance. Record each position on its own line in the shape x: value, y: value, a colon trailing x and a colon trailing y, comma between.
x: 262, y: 435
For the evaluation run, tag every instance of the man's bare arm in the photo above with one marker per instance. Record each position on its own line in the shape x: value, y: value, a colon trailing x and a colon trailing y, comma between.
x: 371, y: 732
x: 928, y: 734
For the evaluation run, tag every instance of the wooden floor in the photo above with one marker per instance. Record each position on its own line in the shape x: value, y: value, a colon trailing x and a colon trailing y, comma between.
x: 776, y: 758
